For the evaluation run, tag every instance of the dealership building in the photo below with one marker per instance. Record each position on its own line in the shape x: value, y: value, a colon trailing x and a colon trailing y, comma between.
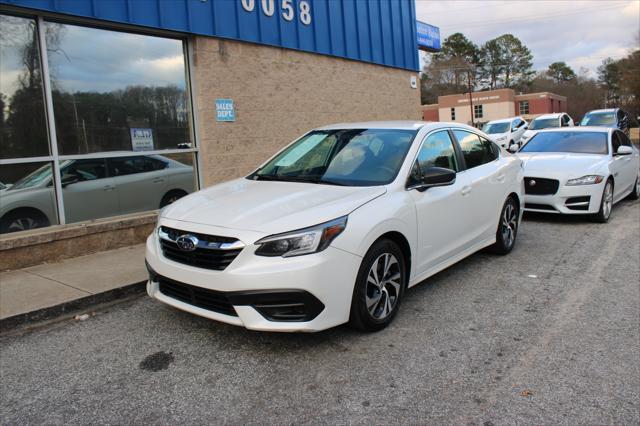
x: 112, y: 109
x: 493, y: 105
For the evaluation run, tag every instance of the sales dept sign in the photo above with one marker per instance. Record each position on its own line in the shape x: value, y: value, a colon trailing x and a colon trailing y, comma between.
x: 141, y: 139
x: 225, y: 110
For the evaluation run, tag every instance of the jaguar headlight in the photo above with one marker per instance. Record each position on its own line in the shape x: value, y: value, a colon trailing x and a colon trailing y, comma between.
x: 585, y: 180
x: 303, y: 241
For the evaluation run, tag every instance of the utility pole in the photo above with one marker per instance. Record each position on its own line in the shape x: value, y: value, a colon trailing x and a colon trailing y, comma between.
x: 470, y: 97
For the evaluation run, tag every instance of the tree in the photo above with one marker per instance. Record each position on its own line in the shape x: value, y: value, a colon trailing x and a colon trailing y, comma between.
x: 560, y: 72
x: 455, y: 63
x: 491, y: 64
x: 609, y: 76
x: 506, y: 62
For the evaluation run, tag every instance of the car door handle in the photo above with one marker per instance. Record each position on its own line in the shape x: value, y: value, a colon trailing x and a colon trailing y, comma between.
x: 500, y: 177
x: 158, y: 180
x: 466, y: 190
x: 108, y: 187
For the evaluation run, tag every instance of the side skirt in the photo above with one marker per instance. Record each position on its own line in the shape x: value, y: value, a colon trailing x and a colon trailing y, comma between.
x: 455, y: 259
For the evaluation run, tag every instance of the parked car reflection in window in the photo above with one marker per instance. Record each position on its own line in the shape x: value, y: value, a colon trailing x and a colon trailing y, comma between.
x: 95, y: 188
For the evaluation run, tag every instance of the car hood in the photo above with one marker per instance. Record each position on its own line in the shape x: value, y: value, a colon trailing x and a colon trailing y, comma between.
x: 496, y: 136
x: 269, y: 207
x: 567, y: 164
x: 528, y: 133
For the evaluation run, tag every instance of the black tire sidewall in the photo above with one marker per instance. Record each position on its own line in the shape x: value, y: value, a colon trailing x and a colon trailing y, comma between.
x: 360, y: 316
x: 500, y: 247
x: 10, y: 217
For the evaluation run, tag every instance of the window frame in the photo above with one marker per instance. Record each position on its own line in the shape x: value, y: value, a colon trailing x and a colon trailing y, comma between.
x: 478, y: 111
x: 54, y: 157
x: 495, y: 147
x: 456, y: 149
x: 521, y: 104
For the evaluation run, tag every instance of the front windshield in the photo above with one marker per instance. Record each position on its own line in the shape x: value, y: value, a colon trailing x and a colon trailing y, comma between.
x: 544, y: 123
x: 493, y: 128
x: 573, y: 142
x: 34, y: 178
x: 607, y: 119
x: 351, y: 157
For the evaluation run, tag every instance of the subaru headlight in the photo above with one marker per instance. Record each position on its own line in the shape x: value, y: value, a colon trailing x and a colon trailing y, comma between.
x: 304, y: 241
x: 585, y: 180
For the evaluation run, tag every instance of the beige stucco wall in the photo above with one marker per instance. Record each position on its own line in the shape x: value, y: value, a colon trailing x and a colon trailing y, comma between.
x: 491, y: 111
x: 280, y: 94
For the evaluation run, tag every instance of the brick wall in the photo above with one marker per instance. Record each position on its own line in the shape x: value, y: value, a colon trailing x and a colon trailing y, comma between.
x: 280, y: 94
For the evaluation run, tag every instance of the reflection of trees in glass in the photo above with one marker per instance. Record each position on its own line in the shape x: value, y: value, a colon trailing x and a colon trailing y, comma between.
x: 23, y: 123
x: 92, y: 121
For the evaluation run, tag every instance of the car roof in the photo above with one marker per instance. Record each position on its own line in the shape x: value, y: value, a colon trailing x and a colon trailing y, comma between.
x: 394, y: 124
x: 579, y: 129
x: 505, y: 120
x: 554, y: 115
x: 602, y: 110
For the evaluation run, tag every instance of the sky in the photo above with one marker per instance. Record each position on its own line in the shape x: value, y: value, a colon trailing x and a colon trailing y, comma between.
x: 580, y: 33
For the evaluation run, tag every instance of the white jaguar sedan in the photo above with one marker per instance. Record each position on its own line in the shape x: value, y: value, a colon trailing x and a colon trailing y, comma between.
x: 580, y: 170
x: 336, y: 226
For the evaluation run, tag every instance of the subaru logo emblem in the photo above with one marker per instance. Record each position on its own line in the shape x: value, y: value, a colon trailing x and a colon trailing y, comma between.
x: 187, y: 242
x: 532, y: 182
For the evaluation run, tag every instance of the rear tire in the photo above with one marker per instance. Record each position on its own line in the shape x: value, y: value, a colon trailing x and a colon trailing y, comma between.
x: 379, y: 287
x: 171, y: 197
x: 606, y: 204
x: 507, y: 228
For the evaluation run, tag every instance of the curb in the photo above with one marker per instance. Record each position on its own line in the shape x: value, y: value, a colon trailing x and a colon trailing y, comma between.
x: 68, y: 309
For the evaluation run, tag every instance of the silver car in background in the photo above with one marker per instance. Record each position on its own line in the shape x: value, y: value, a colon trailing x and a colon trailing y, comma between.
x: 94, y: 188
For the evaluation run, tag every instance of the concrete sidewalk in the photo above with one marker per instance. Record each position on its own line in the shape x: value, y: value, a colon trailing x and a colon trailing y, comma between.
x: 63, y: 286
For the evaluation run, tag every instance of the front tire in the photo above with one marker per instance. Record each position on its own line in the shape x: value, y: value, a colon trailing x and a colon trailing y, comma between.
x: 507, y: 228
x: 22, y: 220
x: 606, y: 204
x: 379, y: 287
x: 635, y: 194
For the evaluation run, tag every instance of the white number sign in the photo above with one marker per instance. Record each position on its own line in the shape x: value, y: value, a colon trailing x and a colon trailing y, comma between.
x: 288, y: 10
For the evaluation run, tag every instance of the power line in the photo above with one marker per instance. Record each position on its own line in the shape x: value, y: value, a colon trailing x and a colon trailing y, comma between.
x: 532, y: 18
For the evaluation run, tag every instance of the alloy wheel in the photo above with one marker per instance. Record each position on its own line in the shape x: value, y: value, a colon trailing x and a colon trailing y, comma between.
x: 383, y: 286
x: 22, y: 224
x: 509, y: 224
x: 607, y: 202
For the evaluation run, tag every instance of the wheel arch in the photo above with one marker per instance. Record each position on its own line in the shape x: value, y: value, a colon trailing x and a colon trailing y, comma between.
x: 403, y: 243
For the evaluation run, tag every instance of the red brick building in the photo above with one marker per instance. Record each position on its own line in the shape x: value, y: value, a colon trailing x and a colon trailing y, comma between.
x: 493, y: 105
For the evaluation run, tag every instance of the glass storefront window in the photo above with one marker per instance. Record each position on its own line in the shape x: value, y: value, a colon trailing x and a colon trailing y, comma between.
x: 112, y: 92
x: 103, y: 187
x: 117, y: 91
x: 27, y: 197
x: 23, y: 128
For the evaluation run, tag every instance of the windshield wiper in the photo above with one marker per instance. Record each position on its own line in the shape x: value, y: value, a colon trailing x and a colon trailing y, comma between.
x: 300, y: 179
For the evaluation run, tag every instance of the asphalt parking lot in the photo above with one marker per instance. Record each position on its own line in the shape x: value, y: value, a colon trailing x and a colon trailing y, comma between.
x: 547, y: 335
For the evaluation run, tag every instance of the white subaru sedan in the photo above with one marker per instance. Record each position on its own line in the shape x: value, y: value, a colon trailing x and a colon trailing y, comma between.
x: 580, y: 170
x: 336, y: 226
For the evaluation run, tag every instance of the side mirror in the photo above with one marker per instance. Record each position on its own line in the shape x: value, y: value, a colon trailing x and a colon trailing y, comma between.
x: 436, y: 176
x: 513, y: 148
x: 69, y: 179
x: 624, y: 150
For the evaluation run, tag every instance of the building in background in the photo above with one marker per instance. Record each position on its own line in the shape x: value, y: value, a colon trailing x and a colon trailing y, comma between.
x: 493, y: 105
x: 111, y: 109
